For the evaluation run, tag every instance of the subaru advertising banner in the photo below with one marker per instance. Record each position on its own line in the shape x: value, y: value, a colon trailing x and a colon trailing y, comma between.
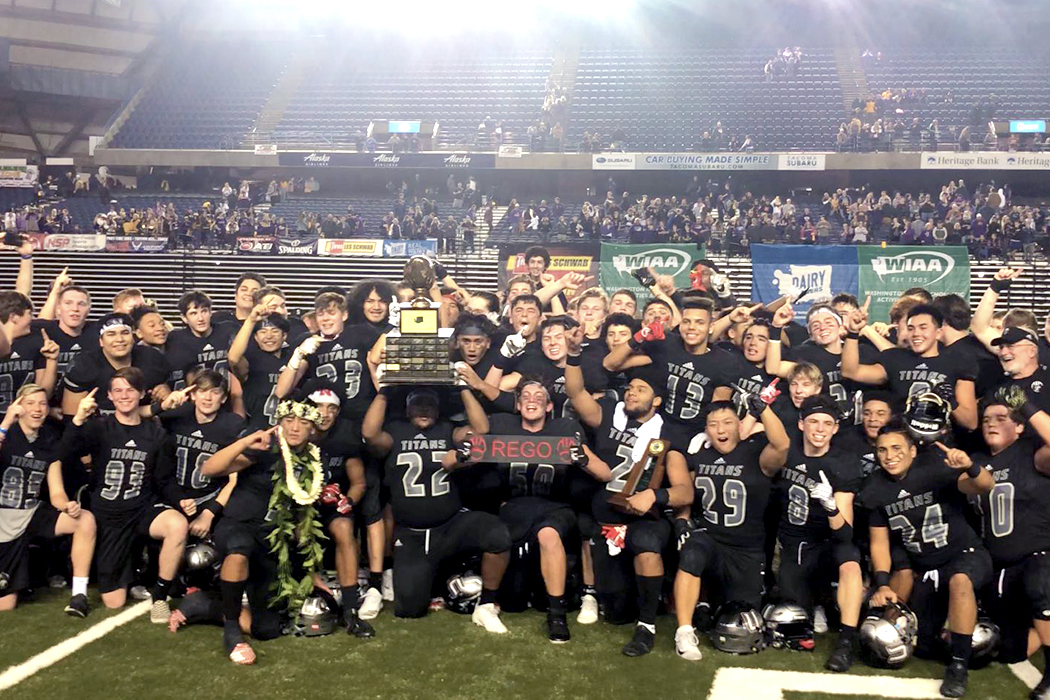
x: 618, y: 262
x: 806, y: 274
x: 887, y: 272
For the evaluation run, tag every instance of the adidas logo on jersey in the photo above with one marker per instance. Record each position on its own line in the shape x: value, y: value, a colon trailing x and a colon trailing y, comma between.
x: 337, y: 346
x: 208, y: 347
x: 720, y: 461
x: 397, y: 543
x: 15, y: 356
x: 29, y: 454
x: 903, y: 494
x: 687, y: 365
x: 130, y: 443
x: 76, y: 346
x: 420, y: 436
x: 756, y: 378
x: 921, y: 365
x: 196, y: 433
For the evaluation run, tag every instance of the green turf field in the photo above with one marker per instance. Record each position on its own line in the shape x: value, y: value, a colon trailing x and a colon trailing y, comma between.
x: 441, y: 656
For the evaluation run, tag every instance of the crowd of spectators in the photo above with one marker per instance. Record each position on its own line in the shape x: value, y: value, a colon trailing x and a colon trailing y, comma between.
x: 786, y: 62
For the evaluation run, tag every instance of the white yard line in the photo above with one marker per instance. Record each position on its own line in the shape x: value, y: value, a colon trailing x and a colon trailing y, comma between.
x: 16, y: 674
x: 761, y: 684
x: 1026, y: 673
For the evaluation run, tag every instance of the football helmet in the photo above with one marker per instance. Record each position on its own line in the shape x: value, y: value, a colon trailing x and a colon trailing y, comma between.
x: 739, y: 629
x: 927, y: 417
x: 788, y: 626
x: 985, y: 643
x: 200, y: 555
x: 316, y: 617
x: 463, y: 592
x: 888, y: 635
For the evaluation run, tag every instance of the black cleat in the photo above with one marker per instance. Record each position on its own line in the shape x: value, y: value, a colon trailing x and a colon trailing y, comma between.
x: 641, y: 644
x: 841, y: 658
x: 78, y: 606
x: 1041, y: 691
x: 356, y: 627
x: 557, y: 629
x: 954, y: 685
x: 703, y: 621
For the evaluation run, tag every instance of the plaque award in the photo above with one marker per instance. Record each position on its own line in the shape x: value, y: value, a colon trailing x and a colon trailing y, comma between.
x: 646, y: 473
x: 417, y: 351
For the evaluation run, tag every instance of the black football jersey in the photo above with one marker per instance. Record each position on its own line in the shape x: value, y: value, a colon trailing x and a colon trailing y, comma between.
x: 344, y: 362
x: 1015, y: 515
x: 536, y: 364
x: 970, y: 349
x: 851, y: 440
x: 614, y: 447
x: 92, y: 370
x: 250, y: 501
x: 519, y: 479
x: 908, y: 373
x: 260, y: 386
x: 192, y: 443
x: 421, y: 493
x: 925, y: 508
x: 1036, y: 386
x: 20, y: 366
x: 801, y: 517
x: 731, y: 493
x: 830, y: 365
x: 186, y: 351
x: 125, y: 461
x: 69, y: 346
x: 23, y: 465
x: 692, y: 379
x: 342, y: 442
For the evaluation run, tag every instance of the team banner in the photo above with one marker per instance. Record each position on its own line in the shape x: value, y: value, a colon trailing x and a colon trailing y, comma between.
x: 135, y: 244
x: 256, y: 244
x: 19, y: 175
x: 408, y: 249
x: 887, y: 272
x: 350, y: 247
x: 344, y: 159
x: 993, y: 160
x: 522, y: 448
x: 807, y: 274
x: 619, y: 262
x: 579, y: 258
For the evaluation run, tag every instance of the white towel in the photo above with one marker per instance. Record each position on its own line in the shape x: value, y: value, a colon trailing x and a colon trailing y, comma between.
x: 649, y: 430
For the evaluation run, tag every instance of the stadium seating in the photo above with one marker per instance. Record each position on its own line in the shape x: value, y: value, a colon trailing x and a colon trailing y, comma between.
x: 664, y: 100
x: 208, y: 96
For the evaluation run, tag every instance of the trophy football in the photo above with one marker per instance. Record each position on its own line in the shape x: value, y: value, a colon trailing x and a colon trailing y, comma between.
x: 417, y: 352
x: 648, y: 472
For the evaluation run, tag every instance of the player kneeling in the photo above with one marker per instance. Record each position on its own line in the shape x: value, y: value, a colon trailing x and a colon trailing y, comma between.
x: 922, y: 496
x: 29, y: 454
x: 732, y: 484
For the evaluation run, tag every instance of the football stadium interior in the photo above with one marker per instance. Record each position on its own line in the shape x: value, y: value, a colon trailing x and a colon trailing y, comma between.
x: 484, y: 202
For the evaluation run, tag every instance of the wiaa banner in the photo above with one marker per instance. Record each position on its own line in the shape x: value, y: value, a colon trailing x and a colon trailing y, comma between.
x: 581, y: 258
x: 886, y: 273
x: 805, y: 274
x: 619, y: 261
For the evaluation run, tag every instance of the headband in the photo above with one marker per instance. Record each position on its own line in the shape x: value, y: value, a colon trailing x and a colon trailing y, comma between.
x: 118, y: 321
x: 826, y: 310
x: 472, y: 329
x: 298, y: 409
x: 820, y: 408
x: 322, y: 396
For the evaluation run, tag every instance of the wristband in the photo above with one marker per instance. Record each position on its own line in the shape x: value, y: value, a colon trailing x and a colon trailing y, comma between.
x: 776, y: 340
x: 634, y: 344
x: 852, y: 336
x: 573, y: 360
x: 975, y: 471
x: 662, y: 497
x: 26, y: 257
x: 832, y: 513
x: 155, y: 408
x: 3, y: 431
x: 215, y: 507
x: 1028, y: 409
x: 881, y: 578
x: 999, y: 286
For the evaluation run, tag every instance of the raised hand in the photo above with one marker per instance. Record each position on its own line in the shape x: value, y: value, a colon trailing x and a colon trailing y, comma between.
x: 783, y: 316
x: 15, y: 411
x: 953, y: 457
x: 49, y: 350
x: 86, y: 408
x: 515, y: 343
x: 261, y: 439
x: 177, y: 398
x: 823, y: 494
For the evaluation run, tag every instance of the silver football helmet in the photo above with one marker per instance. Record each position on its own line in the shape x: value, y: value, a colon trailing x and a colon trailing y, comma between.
x: 464, y: 591
x: 888, y: 635
x: 316, y: 618
x: 739, y: 629
x: 788, y: 626
x: 200, y: 555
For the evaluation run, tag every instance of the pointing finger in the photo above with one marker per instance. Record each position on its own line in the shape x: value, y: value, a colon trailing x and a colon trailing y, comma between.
x: 867, y: 303
x: 941, y: 445
x: 91, y: 393
x: 824, y: 478
x: 44, y: 333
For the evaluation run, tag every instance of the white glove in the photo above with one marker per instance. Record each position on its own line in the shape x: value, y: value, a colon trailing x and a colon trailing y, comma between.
x: 306, y: 348
x: 720, y: 285
x: 514, y: 345
x: 460, y: 381
x: 394, y: 316
x: 380, y: 373
x: 699, y: 442
x: 823, y: 493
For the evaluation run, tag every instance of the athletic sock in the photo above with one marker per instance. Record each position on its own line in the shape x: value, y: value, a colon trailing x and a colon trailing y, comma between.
x: 962, y: 646
x: 487, y: 596
x: 80, y: 585
x: 161, y: 588
x: 648, y: 598
x: 375, y: 580
x: 1046, y: 666
x: 351, y: 597
x: 388, y: 563
x: 556, y: 605
x: 590, y: 590
x: 847, y: 634
x: 232, y: 593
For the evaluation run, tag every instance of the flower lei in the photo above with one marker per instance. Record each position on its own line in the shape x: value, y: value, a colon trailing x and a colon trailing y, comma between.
x: 295, y: 518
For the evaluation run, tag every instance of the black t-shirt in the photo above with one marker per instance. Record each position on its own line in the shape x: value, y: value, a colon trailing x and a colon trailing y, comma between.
x: 908, y: 373
x: 520, y: 479
x: 421, y: 493
x: 69, y: 346
x: 342, y: 442
x: 23, y: 465
x: 801, y: 517
x: 344, y: 362
x: 186, y: 351
x: 259, y: 387
x: 537, y: 365
x: 692, y: 379
x: 1015, y: 515
x: 191, y: 444
x: 830, y: 365
x: 970, y: 349
x: 125, y: 461
x: 732, y: 492
x: 925, y: 508
x: 595, y: 377
x: 20, y: 366
x: 851, y: 440
x: 1037, y: 386
x: 91, y: 370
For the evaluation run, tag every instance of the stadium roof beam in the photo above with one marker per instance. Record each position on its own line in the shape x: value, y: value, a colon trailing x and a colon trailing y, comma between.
x: 74, y: 133
x: 20, y: 110
x: 77, y: 19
